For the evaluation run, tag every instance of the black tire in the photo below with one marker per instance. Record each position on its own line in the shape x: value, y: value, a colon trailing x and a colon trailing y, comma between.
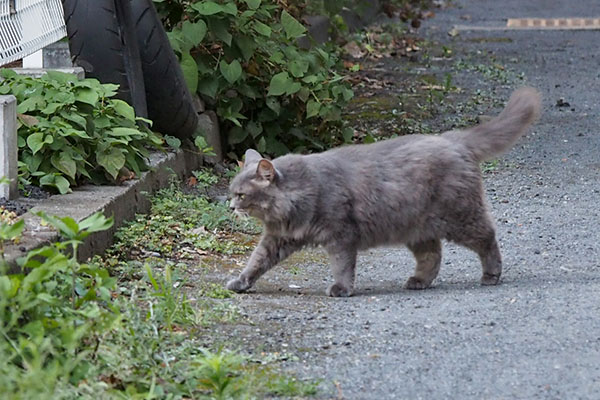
x: 170, y: 104
x: 111, y: 46
x: 104, y: 50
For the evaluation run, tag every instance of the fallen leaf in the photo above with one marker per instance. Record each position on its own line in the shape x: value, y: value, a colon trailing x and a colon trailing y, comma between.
x: 125, y: 175
x: 354, y: 50
x: 28, y: 120
x: 192, y: 181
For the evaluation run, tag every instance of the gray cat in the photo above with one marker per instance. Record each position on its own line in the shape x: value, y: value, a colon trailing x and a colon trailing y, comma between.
x: 413, y: 190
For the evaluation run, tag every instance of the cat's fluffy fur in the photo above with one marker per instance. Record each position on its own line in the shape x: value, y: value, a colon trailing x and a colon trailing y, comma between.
x: 414, y: 190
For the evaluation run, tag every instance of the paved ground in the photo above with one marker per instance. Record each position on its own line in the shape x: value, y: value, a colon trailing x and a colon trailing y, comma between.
x: 535, y: 336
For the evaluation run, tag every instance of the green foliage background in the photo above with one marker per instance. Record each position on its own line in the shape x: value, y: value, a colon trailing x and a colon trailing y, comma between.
x: 70, y: 130
x: 243, y: 58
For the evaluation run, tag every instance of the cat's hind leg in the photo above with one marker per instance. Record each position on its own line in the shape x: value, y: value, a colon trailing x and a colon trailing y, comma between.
x: 429, y: 257
x: 481, y: 238
x: 343, y: 267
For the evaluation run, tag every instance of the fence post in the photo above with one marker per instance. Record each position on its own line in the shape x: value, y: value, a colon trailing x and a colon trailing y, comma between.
x: 8, y: 146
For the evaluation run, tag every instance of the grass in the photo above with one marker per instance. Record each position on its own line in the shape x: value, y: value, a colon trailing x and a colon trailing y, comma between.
x: 139, y: 322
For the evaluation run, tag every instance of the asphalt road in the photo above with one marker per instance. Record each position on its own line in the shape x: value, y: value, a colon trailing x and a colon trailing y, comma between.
x: 535, y: 336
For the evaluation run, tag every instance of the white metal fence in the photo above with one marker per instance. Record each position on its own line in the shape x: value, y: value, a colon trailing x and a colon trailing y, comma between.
x: 28, y: 25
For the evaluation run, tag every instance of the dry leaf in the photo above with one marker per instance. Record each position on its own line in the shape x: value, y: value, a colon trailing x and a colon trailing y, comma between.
x: 192, y: 181
x: 354, y: 50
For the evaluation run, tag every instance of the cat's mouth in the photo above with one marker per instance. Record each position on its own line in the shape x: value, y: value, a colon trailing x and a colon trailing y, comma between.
x: 241, y: 213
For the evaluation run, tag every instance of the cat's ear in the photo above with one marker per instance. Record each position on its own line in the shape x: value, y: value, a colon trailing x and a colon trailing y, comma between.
x: 265, y: 170
x: 252, y: 157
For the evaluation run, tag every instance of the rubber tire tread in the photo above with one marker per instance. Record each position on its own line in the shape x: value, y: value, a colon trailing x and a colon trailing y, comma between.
x: 170, y: 105
x: 95, y: 42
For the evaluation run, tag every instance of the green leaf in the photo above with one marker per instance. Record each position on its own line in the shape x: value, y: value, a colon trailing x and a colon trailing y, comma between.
x: 237, y: 135
x: 56, y: 181
x: 247, y: 45
x: 298, y: 68
x: 123, y: 109
x: 368, y: 139
x: 121, y: 131
x: 263, y: 29
x: 8, y: 73
x: 253, y: 4
x: 75, y: 117
x: 96, y: 222
x: 62, y: 184
x: 176, y: 40
x: 254, y: 128
x: 208, y: 87
x: 172, y: 141
x: 190, y: 71
x: 51, y: 108
x: 293, y: 28
x: 220, y: 28
x: 261, y: 146
x: 35, y: 141
x: 293, y: 88
x: 11, y: 231
x: 230, y: 8
x: 64, y: 163
x: 274, y: 104
x: 303, y: 93
x: 29, y: 104
x: 279, y: 84
x: 87, y: 95
x: 207, y: 7
x: 112, y: 160
x: 312, y: 108
x: 194, y: 32
x: 348, y: 134
x: 231, y: 72
x: 348, y: 94
x: 58, y: 76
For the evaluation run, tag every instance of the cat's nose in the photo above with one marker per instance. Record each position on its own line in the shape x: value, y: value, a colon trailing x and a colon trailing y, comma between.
x: 231, y: 206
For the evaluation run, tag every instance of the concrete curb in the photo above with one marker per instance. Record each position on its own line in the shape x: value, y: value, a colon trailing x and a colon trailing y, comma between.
x: 121, y: 202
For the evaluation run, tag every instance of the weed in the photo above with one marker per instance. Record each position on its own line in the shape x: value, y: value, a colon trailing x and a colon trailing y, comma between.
x: 289, y: 386
x: 169, y: 307
x: 219, y: 374
x: 489, y: 166
x: 205, y: 177
x: 184, y: 225
x: 215, y: 291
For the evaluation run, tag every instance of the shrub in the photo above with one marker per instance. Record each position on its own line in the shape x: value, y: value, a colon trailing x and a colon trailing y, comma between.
x: 243, y: 58
x: 71, y: 130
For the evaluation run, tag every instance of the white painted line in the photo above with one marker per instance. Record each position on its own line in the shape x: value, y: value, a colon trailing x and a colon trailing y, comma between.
x: 538, y: 24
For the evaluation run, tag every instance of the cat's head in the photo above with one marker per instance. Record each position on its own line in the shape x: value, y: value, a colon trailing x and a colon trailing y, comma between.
x: 254, y: 190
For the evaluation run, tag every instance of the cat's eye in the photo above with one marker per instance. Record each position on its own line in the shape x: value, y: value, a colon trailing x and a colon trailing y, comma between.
x: 240, y: 196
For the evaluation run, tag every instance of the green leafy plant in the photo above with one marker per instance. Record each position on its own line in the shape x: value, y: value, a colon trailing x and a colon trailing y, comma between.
x: 220, y: 374
x: 73, y: 130
x: 170, y: 306
x: 51, y: 312
x: 243, y: 57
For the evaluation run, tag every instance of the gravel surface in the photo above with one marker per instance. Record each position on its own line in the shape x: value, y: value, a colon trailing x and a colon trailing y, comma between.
x: 537, y: 335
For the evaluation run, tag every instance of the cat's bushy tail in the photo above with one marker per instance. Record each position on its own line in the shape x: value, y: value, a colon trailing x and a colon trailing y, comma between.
x: 496, y: 136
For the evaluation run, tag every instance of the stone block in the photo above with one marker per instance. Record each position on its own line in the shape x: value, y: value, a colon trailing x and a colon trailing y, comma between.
x: 38, y: 72
x: 208, y: 126
x: 8, y: 146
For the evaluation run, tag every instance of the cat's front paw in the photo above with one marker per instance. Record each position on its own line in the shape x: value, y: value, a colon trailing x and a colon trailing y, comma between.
x: 414, y: 283
x: 237, y: 285
x: 490, y: 280
x: 337, y: 290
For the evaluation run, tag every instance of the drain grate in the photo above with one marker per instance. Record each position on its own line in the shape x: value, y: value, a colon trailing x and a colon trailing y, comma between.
x: 553, y: 23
